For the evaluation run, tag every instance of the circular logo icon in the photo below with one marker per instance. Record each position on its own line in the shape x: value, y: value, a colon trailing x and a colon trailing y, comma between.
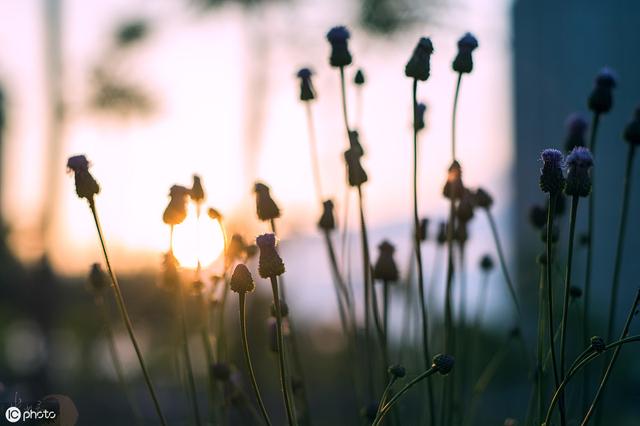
x: 13, y: 414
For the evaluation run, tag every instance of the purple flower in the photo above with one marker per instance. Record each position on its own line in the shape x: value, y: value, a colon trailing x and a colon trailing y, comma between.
x: 270, y: 263
x: 338, y: 38
x: 601, y: 98
x: 463, y: 62
x: 579, y: 163
x: 551, y: 177
x: 266, y: 207
x: 419, y: 66
x: 576, y: 126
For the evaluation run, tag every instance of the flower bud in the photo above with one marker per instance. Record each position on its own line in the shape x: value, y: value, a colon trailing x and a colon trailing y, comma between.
x: 538, y: 216
x: 423, y: 231
x: 601, y: 97
x: 385, y: 268
x: 551, y: 177
x: 632, y: 131
x: 86, y: 185
x: 576, y: 131
x: 597, y: 344
x: 338, y: 38
x: 284, y: 309
x: 579, y: 163
x: 463, y: 62
x: 418, y: 66
x: 98, y: 279
x: 355, y: 173
x: 442, y: 233
x: 397, y: 371
x: 486, y: 263
x: 327, y: 221
x: 241, y: 280
x: 307, y: 92
x: 266, y: 208
x: 176, y: 211
x: 464, y: 211
x: 453, y: 188
x: 359, y: 79
x: 197, y: 191
x: 418, y: 119
x: 483, y: 199
x: 270, y: 263
x: 443, y: 363
x: 214, y: 214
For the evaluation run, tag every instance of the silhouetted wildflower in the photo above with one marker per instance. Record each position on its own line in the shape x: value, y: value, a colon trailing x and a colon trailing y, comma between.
x: 355, y: 172
x: 338, y: 37
x: 453, y: 188
x: 483, y: 199
x: 463, y: 62
x: 241, y: 280
x: 632, y: 131
x: 464, y: 211
x: 423, y: 232
x: 419, y: 66
x: 443, y: 363
x: 551, y: 177
x: 86, y: 185
x: 385, y: 268
x: 397, y: 371
x: 327, y: 221
x: 359, y: 78
x: 601, y: 98
x: 266, y: 208
x: 579, y: 163
x: 307, y: 92
x: 576, y: 131
x: 214, y: 214
x: 197, y: 191
x: 555, y: 234
x: 270, y: 263
x: 176, y: 211
x: 98, y: 279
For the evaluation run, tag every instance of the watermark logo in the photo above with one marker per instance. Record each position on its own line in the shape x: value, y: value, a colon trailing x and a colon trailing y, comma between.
x: 13, y: 414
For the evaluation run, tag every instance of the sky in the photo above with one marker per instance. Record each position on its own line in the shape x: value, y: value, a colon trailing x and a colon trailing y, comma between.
x: 227, y: 109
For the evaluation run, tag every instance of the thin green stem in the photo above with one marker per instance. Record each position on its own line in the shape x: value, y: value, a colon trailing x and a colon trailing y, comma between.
x: 187, y: 356
x: 418, y: 254
x: 117, y: 365
x: 343, y: 92
x: 247, y: 357
x: 385, y: 394
x: 125, y: 315
x: 540, y: 345
x: 453, y: 117
x: 567, y: 285
x: 551, y: 214
x: 388, y: 406
x: 616, y: 352
x: 281, y: 358
x: 615, y: 282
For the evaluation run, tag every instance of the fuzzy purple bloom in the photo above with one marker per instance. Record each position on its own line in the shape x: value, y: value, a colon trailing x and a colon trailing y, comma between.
x: 86, y: 185
x: 551, y: 177
x: 579, y: 163
x: 601, y: 98
x: 270, y: 263
x: 576, y: 126
x: 338, y: 38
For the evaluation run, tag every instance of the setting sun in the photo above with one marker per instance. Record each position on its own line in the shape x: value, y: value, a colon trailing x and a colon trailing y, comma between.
x: 193, y: 240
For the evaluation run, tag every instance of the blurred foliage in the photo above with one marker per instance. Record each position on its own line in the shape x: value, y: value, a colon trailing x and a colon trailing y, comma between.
x: 115, y: 96
x: 131, y: 32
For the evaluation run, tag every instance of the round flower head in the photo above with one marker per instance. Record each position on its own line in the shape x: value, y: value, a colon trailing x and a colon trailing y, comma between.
x: 270, y: 263
x: 354, y: 143
x: 463, y: 62
x: 397, y: 371
x: 176, y: 210
x: 423, y: 231
x: 443, y: 363
x: 538, y: 216
x: 632, y: 131
x: 464, y: 212
x: 241, y: 280
x: 486, y: 263
x: 266, y: 208
x: 86, y: 185
x: 327, y: 221
x: 418, y: 120
x: 453, y: 188
x: 598, y: 344
x: 576, y: 131
x: 579, y: 163
x: 483, y: 199
x: 98, y: 280
x: 338, y: 37
x: 551, y: 177
x: 418, y: 66
x: 359, y: 79
x: 355, y: 172
x: 442, y: 233
x: 385, y: 268
x: 601, y: 97
x: 197, y: 191
x: 307, y: 92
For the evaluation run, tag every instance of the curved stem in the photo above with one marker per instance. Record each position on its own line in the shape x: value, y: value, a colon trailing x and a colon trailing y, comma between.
x: 607, y: 374
x: 567, y: 286
x: 125, y: 315
x: 281, y: 360
x: 615, y: 284
x: 247, y: 357
x: 313, y: 147
x: 343, y: 92
x: 418, y: 254
x: 187, y: 356
x: 385, y: 394
x: 117, y: 365
x: 388, y: 406
x: 550, y: 216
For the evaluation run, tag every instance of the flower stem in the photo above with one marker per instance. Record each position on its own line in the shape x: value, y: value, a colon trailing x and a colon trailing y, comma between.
x: 418, y: 254
x: 385, y: 394
x: 281, y: 359
x: 187, y: 356
x: 117, y: 365
x: 313, y: 147
x: 125, y: 314
x: 343, y: 92
x: 382, y: 338
x: 550, y: 216
x: 616, y: 352
x: 247, y: 357
x: 453, y: 117
x: 615, y: 283
x: 389, y: 405
x: 540, y: 345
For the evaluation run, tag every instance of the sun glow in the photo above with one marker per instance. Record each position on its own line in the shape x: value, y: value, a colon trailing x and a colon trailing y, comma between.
x: 193, y: 240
